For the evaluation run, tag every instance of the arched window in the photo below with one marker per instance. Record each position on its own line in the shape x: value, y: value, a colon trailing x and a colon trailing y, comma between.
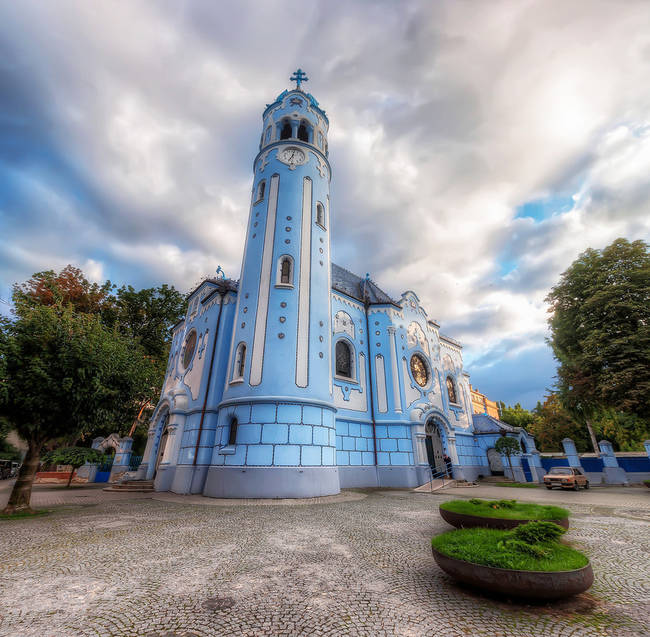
x: 285, y: 271
x: 320, y: 215
x: 285, y: 133
x: 451, y: 390
x: 189, y: 349
x: 232, y: 433
x: 344, y: 365
x: 261, y: 189
x: 240, y: 362
x: 303, y: 132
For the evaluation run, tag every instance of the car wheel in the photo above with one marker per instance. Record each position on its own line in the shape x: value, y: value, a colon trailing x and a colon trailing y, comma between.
x: 586, y: 485
x: 549, y: 488
x: 576, y: 486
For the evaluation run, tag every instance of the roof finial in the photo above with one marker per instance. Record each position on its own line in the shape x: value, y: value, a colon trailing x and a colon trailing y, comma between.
x: 299, y: 77
x: 221, y: 272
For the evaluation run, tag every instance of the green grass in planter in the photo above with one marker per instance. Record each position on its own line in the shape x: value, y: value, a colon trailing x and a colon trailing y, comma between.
x: 518, y: 510
x: 489, y: 548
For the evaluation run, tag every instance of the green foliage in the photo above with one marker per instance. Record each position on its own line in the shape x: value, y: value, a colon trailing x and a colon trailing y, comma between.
x: 139, y: 317
x: 67, y: 374
x: 539, y: 532
x: 501, y: 549
x: 516, y: 416
x: 518, y: 545
x: 600, y: 334
x: 553, y: 423
x: 508, y: 445
x: 73, y: 456
x: 512, y: 510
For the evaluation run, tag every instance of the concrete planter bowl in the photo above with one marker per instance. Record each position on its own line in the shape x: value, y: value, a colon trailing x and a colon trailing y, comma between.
x: 523, y: 584
x: 466, y: 521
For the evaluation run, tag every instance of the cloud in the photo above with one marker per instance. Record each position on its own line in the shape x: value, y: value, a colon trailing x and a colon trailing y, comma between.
x: 128, y: 130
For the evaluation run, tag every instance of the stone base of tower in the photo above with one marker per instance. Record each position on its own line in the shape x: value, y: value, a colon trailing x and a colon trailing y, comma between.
x: 271, y: 482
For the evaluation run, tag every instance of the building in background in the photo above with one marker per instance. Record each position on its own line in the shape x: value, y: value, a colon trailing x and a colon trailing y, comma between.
x: 481, y: 404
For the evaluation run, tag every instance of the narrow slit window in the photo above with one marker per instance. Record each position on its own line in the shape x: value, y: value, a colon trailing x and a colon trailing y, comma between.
x: 232, y: 433
x: 240, y: 362
x: 285, y: 271
x: 343, y: 359
x: 261, y: 190
x: 320, y: 214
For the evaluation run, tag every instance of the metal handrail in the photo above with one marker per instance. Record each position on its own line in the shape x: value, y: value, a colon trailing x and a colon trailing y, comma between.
x: 437, y: 475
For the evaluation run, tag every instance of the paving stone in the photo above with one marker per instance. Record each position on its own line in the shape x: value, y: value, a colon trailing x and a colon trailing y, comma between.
x: 128, y: 565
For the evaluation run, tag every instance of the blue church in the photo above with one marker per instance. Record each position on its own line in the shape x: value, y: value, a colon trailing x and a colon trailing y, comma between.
x: 303, y: 378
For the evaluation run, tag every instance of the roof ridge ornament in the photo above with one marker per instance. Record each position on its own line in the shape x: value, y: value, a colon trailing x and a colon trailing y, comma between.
x: 299, y: 77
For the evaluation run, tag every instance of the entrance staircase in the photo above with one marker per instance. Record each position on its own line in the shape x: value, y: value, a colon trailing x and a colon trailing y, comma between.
x: 435, y: 485
x: 132, y: 486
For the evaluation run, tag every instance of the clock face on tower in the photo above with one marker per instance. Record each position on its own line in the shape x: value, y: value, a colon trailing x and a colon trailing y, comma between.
x: 292, y: 156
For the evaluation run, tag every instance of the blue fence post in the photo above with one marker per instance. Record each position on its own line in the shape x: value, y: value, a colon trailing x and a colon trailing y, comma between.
x: 122, y: 459
x: 612, y: 473
x: 571, y: 453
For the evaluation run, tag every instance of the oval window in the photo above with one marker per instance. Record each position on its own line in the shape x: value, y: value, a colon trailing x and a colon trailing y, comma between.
x: 190, y: 346
x: 419, y: 370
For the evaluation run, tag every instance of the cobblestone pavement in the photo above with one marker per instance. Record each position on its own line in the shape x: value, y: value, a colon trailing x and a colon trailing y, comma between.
x: 136, y: 566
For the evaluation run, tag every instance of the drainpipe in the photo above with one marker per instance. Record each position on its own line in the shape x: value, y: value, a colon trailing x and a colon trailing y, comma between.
x: 207, y: 388
x: 366, y: 304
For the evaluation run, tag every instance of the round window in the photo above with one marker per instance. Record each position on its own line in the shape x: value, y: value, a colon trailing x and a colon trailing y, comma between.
x: 190, y: 346
x: 419, y: 370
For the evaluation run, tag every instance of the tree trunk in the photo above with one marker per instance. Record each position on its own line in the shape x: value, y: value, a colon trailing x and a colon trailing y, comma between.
x: 592, y: 435
x: 22, y: 492
x: 70, y: 478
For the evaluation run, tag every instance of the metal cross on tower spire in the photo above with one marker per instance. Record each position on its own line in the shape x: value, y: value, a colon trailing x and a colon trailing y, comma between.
x: 299, y: 77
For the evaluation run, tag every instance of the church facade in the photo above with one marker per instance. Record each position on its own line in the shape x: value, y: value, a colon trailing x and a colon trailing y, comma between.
x: 302, y: 378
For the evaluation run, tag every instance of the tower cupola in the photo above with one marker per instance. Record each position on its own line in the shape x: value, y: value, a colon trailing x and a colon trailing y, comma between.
x: 295, y: 116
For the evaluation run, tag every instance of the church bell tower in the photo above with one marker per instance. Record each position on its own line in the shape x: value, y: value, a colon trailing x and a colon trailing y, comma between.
x: 275, y: 433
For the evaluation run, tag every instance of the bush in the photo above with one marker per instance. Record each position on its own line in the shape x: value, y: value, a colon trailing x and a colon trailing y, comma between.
x: 538, y: 532
x: 523, y: 547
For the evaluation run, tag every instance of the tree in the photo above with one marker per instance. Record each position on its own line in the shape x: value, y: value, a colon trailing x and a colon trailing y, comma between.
x: 144, y: 316
x: 600, y: 332
x: 516, y: 416
x: 64, y: 374
x: 73, y: 456
x: 68, y: 287
x: 510, y: 447
x: 553, y: 423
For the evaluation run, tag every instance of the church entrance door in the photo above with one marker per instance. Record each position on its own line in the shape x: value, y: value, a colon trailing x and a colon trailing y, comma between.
x: 435, y: 453
x: 495, y: 462
x: 161, y: 451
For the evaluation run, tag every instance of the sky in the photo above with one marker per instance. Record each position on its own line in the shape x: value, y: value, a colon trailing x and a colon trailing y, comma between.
x: 477, y: 148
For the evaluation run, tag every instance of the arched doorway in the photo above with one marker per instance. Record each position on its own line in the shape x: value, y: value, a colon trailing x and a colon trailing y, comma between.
x: 164, y: 436
x: 435, y: 447
x: 495, y: 462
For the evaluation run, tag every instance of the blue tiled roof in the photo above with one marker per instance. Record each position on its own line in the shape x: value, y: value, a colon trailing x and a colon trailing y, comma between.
x: 344, y: 281
x: 484, y: 424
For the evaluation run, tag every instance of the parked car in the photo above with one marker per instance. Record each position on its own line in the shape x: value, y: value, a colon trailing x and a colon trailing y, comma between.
x: 566, y: 478
x: 5, y: 469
